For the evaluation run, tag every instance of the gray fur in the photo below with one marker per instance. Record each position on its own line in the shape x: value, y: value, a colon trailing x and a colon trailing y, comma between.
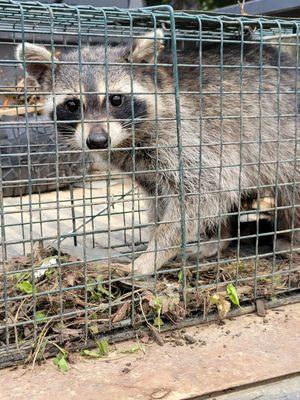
x: 240, y: 141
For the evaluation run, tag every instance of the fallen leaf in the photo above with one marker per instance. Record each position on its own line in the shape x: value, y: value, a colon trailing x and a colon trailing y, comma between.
x: 40, y: 317
x: 61, y: 361
x: 233, y: 294
x: 91, y: 353
x: 158, y: 322
x: 94, y: 329
x: 101, y: 351
x: 103, y: 347
x: 70, y: 279
x: 25, y: 287
x: 122, y: 312
x: 133, y: 349
x: 222, y: 304
x: 223, y: 307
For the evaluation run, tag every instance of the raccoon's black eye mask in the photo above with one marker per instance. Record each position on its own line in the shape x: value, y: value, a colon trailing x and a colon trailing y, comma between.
x: 127, y: 108
x: 70, y: 110
x: 121, y: 107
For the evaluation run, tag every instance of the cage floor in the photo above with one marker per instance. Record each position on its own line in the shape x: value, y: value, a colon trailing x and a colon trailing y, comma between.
x: 82, y: 218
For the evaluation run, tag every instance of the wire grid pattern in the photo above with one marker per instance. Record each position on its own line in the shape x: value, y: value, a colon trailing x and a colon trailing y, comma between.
x: 98, y: 214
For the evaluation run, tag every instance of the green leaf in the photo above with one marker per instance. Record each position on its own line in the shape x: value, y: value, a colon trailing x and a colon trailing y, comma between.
x: 158, y: 321
x: 101, y: 289
x: 180, y: 276
x: 49, y: 272
x: 214, y: 299
x: 101, y: 351
x: 133, y: 349
x: 40, y: 317
x: 25, y: 287
x: 156, y: 304
x: 21, y: 276
x: 61, y: 361
x: 221, y: 303
x: 233, y: 294
x: 91, y: 353
x: 94, y: 329
x: 103, y: 347
x: 63, y: 365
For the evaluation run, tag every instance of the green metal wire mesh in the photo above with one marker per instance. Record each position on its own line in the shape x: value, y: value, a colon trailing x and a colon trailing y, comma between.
x: 68, y: 221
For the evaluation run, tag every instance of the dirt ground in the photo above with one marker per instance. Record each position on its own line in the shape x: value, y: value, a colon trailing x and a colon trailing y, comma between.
x: 195, y: 361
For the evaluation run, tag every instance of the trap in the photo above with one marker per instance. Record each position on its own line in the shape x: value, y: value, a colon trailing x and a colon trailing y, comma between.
x: 71, y: 219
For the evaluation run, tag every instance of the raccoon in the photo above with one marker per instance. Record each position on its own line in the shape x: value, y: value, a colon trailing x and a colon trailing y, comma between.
x: 232, y: 133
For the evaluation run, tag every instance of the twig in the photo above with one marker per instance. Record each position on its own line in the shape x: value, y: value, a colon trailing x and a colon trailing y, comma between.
x: 40, y: 341
x: 16, y: 320
x: 152, y: 328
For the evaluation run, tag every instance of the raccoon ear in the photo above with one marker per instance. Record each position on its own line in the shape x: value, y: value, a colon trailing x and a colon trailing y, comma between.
x: 38, y: 61
x: 143, y: 49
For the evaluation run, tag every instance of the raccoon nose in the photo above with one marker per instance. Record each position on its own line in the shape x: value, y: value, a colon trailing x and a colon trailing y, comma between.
x: 97, y: 140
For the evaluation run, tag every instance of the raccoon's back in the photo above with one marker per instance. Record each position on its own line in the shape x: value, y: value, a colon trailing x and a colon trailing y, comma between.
x: 236, y: 120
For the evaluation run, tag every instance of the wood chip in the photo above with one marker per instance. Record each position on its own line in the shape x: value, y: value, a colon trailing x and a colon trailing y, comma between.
x: 21, y: 110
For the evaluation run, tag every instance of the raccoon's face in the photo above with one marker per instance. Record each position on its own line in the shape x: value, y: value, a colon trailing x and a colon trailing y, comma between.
x: 97, y: 104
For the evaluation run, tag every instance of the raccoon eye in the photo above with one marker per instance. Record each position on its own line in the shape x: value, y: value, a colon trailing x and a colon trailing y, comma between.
x: 116, y: 100
x: 72, y: 105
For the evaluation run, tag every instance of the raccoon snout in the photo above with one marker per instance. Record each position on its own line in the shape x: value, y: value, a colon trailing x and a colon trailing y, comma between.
x: 97, y: 140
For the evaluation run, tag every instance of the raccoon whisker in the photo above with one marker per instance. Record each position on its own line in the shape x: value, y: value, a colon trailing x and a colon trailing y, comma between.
x: 72, y: 145
x: 146, y: 131
x: 66, y: 127
x: 135, y: 122
x: 65, y: 134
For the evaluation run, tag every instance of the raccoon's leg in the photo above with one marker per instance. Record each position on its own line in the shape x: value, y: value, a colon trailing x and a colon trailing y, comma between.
x: 164, y: 243
x: 151, y: 218
x: 210, y: 247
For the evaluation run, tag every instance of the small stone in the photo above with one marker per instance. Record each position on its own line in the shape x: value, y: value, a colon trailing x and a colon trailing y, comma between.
x: 145, y: 339
x: 71, y: 358
x: 265, y: 321
x: 227, y: 332
x: 179, y: 342
x: 190, y: 339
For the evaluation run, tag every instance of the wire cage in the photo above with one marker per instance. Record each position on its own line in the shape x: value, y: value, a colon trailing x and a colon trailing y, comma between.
x: 149, y: 171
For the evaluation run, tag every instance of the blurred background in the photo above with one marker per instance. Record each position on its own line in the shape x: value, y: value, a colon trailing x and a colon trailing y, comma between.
x: 286, y: 8
x: 283, y: 8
